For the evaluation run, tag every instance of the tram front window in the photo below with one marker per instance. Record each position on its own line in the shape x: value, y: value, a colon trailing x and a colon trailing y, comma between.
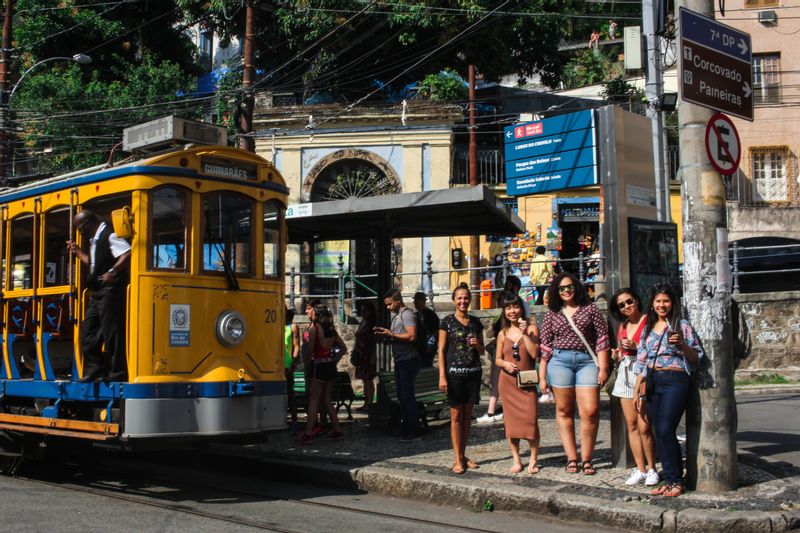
x: 272, y: 240
x: 227, y: 233
x: 168, y: 228
x: 21, y: 253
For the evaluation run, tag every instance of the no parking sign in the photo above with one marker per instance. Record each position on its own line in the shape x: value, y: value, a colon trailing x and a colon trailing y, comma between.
x: 722, y: 144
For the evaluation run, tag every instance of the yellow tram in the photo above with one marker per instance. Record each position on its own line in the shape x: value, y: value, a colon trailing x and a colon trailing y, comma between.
x: 205, y: 303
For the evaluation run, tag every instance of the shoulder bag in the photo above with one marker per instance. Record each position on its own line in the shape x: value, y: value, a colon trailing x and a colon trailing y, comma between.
x: 527, y: 379
x: 582, y: 338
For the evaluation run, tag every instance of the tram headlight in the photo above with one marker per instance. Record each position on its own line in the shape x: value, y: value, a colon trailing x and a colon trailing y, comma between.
x: 231, y: 328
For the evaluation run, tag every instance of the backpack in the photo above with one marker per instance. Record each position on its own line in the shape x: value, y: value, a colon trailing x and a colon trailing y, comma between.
x: 426, y: 340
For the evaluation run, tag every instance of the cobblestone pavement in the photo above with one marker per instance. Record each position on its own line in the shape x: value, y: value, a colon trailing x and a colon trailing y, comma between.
x: 762, y: 486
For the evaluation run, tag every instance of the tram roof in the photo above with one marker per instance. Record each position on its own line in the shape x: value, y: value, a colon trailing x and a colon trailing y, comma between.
x: 439, y: 213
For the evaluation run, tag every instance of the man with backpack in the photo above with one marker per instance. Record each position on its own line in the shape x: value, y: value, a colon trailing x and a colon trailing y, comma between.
x: 427, y: 330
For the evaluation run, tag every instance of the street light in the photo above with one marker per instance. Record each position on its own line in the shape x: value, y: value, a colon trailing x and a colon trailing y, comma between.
x: 81, y: 59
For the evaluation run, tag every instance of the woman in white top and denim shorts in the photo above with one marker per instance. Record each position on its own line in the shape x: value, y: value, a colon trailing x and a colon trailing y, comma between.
x: 626, y: 307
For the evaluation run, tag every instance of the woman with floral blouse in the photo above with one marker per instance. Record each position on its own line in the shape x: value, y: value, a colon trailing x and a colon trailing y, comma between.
x: 573, y: 370
x: 670, y: 350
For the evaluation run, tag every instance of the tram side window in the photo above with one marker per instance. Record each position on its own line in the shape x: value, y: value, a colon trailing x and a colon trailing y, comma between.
x: 272, y: 239
x: 21, y: 253
x: 170, y: 212
x: 227, y: 235
x: 56, y: 261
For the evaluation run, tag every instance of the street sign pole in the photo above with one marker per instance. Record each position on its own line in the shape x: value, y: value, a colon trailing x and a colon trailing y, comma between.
x: 710, y: 416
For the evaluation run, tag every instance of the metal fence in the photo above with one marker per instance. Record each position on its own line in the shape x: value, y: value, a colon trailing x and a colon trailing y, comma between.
x: 490, y: 167
x: 765, y: 257
x: 347, y: 284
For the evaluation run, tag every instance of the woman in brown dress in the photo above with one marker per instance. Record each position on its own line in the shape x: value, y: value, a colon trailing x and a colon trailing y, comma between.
x: 517, y: 350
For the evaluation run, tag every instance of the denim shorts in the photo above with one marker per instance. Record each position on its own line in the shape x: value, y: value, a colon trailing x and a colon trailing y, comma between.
x: 571, y: 368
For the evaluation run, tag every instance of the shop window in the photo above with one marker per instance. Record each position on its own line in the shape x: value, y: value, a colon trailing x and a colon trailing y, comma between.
x: 168, y: 223
x: 227, y: 235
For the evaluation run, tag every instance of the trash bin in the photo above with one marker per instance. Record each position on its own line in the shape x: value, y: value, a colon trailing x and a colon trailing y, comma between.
x: 486, y: 294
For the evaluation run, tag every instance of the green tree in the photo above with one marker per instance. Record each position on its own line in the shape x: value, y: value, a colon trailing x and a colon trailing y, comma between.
x: 619, y: 92
x: 587, y: 68
x: 68, y: 116
x: 445, y: 86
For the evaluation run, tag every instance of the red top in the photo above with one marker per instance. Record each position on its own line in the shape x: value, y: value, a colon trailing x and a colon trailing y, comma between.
x: 622, y: 333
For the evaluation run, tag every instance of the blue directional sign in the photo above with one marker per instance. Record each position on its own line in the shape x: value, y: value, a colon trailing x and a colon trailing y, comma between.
x: 551, y: 154
x: 716, y: 65
x: 565, y: 179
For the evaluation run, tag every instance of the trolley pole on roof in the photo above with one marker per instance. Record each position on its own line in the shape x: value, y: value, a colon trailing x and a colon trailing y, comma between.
x: 474, y: 248
x: 5, y: 84
x: 246, y: 140
x: 711, y: 461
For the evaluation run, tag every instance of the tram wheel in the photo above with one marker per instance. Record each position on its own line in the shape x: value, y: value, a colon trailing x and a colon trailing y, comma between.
x: 10, y: 452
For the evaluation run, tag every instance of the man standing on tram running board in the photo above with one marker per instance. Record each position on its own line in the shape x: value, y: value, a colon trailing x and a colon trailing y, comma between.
x: 104, y: 319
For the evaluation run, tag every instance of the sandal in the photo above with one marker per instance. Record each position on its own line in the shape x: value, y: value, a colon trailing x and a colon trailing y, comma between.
x: 458, y: 468
x: 469, y: 463
x: 674, y: 491
x: 587, y: 468
x: 572, y: 466
x: 533, y: 469
x: 661, y: 489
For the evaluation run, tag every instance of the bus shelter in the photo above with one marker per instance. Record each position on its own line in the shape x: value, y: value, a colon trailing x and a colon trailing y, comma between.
x: 438, y: 213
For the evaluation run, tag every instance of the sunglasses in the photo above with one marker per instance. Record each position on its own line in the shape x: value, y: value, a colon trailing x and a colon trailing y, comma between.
x: 626, y: 303
x: 566, y: 288
x: 515, y: 351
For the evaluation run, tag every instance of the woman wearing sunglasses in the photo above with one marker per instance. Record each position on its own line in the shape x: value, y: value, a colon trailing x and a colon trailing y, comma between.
x: 575, y: 361
x: 670, y: 350
x: 626, y: 308
x: 517, y: 350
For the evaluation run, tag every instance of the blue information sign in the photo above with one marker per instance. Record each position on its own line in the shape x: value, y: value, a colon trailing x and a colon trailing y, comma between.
x: 565, y: 179
x: 551, y: 154
x: 571, y: 140
x: 715, y: 35
x: 550, y: 162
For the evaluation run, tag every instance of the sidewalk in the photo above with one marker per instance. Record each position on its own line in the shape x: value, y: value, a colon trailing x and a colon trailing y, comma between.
x: 768, y: 497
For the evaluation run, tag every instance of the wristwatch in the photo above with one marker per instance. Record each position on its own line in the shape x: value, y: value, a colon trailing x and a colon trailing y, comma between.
x: 112, y: 271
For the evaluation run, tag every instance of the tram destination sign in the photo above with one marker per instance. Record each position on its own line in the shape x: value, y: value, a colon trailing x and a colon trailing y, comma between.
x: 716, y: 65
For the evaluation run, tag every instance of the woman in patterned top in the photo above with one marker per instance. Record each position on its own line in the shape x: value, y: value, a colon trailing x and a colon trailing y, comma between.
x: 670, y: 349
x: 460, y: 349
x: 574, y: 372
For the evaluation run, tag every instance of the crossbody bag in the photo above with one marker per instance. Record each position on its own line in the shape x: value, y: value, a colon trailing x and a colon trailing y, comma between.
x: 582, y: 338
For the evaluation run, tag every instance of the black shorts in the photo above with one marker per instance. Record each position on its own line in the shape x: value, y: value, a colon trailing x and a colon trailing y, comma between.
x: 463, y: 390
x: 323, y: 371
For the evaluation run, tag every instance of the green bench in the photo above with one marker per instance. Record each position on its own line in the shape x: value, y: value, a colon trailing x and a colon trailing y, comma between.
x: 430, y: 400
x: 342, y: 394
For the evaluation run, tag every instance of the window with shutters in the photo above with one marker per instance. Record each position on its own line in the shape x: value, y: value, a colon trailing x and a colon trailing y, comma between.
x: 767, y: 78
x: 769, y: 167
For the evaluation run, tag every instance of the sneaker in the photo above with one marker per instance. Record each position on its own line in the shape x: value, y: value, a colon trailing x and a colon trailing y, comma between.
x: 498, y: 419
x: 487, y: 419
x: 652, y: 478
x: 305, y: 438
x: 317, y: 430
x: 411, y: 438
x: 637, y: 477
x: 334, y: 435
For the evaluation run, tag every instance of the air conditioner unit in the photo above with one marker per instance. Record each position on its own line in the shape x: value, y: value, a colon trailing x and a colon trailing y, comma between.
x: 767, y: 17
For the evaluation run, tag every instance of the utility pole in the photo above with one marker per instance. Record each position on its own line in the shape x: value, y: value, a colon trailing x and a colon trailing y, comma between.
x: 246, y: 140
x: 711, y: 414
x: 474, y: 248
x: 5, y: 84
x: 654, y: 88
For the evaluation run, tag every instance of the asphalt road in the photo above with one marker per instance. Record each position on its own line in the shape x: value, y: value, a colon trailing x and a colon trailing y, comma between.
x: 769, y: 426
x: 86, y: 500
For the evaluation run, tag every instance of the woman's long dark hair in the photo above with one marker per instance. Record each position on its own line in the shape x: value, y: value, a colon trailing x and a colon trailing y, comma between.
x: 367, y: 316
x: 674, y: 314
x: 508, y: 299
x: 581, y: 296
x: 325, y: 320
x: 613, y: 308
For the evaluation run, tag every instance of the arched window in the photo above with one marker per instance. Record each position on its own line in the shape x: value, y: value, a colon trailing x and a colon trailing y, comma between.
x: 169, y: 216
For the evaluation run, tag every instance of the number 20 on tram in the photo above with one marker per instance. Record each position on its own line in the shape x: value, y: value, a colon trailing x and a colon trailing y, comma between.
x: 204, y: 313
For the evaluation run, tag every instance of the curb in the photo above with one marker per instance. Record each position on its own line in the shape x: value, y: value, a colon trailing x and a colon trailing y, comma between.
x: 767, y: 390
x: 543, y: 501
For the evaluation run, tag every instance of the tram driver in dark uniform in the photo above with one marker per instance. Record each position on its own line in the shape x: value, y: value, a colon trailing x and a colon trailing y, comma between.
x: 104, y: 319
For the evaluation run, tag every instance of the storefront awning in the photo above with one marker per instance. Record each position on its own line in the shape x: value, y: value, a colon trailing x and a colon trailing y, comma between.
x: 446, y: 212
